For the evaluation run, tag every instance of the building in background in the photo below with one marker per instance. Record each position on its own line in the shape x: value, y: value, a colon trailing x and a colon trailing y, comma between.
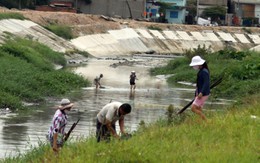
x: 114, y: 8
x: 248, y: 11
x: 176, y: 12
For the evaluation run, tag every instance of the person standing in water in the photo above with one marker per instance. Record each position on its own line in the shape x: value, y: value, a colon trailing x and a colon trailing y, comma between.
x: 202, y: 85
x: 132, y: 80
x: 97, y: 81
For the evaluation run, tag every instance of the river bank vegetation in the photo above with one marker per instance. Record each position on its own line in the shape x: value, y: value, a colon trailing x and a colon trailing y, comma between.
x: 229, y: 135
x: 28, y: 74
x: 240, y: 69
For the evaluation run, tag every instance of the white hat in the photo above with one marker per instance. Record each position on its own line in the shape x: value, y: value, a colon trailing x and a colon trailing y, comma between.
x: 65, y: 103
x: 133, y: 71
x: 197, y: 61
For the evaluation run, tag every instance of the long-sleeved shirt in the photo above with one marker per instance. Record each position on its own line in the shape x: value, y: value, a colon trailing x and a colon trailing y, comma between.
x: 203, y: 82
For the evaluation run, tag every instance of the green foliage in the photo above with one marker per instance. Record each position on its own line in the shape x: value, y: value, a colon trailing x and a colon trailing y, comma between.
x: 61, y: 30
x: 192, y: 7
x: 11, y: 16
x: 215, y: 12
x: 151, y: 27
x: 241, y: 71
x: 233, y: 54
x: 201, y: 51
x: 232, y: 130
x: 88, y: 1
x: 19, y: 4
x: 27, y: 73
x: 83, y: 53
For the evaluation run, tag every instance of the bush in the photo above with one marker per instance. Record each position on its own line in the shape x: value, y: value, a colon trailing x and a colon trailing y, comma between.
x: 27, y: 74
x: 61, y: 30
x: 241, y: 71
x: 201, y: 51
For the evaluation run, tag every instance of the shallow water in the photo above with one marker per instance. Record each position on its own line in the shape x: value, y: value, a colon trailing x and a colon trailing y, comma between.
x: 149, y: 102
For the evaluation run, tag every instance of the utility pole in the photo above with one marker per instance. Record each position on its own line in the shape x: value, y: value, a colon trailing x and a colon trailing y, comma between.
x: 76, y: 5
x: 238, y: 9
x: 20, y: 7
x: 197, y: 15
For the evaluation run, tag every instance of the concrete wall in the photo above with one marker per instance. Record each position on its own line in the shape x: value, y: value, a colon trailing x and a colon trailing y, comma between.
x: 29, y: 29
x: 114, y: 7
x: 128, y: 41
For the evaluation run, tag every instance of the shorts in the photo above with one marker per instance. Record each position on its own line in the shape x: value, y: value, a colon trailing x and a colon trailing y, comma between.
x: 132, y: 83
x: 200, y: 102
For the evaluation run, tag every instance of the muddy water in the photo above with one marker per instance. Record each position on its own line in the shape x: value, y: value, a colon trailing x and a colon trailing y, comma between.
x: 18, y: 133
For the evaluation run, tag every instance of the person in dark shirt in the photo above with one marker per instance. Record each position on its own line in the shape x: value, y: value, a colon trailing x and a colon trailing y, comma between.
x: 97, y: 81
x: 202, y: 86
x: 132, y: 80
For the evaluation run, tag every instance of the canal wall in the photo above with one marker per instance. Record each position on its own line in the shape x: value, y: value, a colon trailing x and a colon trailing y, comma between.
x: 128, y: 41
x: 31, y: 30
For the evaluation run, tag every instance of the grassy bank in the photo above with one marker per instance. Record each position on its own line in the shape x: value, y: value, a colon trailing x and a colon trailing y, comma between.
x: 241, y: 71
x: 229, y: 137
x: 28, y: 73
x: 11, y: 16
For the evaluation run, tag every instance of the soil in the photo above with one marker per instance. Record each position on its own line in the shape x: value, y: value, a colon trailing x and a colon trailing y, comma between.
x: 85, y: 24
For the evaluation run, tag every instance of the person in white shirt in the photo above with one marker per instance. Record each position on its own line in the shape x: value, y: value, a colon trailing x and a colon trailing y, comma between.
x: 107, y: 118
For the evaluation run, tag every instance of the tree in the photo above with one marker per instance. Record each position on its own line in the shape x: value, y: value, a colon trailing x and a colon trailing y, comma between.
x: 20, y: 4
x: 215, y: 13
x: 191, y: 7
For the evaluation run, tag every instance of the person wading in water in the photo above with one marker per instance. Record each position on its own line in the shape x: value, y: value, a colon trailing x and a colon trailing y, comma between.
x: 132, y: 80
x: 97, y: 81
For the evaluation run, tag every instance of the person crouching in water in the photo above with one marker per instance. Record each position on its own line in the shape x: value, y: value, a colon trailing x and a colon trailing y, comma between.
x: 132, y: 80
x: 107, y: 118
x: 97, y: 81
x: 202, y: 86
x: 56, y: 131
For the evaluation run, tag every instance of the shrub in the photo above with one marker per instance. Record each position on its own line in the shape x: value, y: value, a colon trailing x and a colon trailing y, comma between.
x: 201, y: 51
x: 151, y: 27
x: 61, y: 30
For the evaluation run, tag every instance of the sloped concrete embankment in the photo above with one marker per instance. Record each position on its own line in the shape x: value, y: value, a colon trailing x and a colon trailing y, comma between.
x: 129, y: 41
x: 29, y: 29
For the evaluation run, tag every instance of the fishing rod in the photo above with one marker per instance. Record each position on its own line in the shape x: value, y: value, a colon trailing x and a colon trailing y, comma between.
x: 217, y: 82
x: 71, y: 129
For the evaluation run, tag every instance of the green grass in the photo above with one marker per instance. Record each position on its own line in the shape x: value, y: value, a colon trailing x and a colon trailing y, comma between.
x: 11, y: 16
x: 241, y: 72
x: 61, y: 30
x: 27, y: 74
x: 230, y: 136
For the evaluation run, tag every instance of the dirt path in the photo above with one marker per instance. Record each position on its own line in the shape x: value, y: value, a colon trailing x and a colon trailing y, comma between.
x: 85, y: 24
